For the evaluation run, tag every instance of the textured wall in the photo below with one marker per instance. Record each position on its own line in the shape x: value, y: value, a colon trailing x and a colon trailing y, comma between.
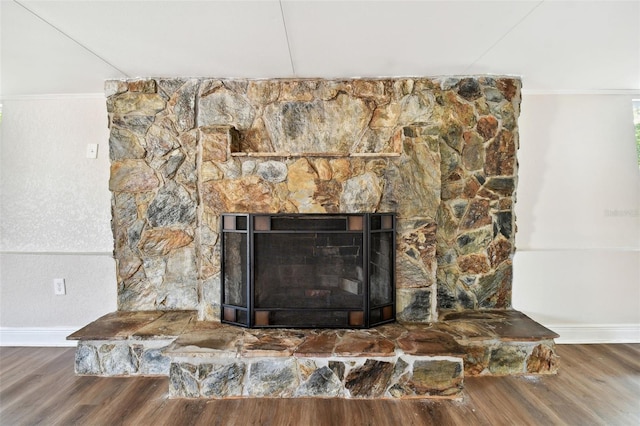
x: 26, y: 293
x: 54, y: 212
x: 47, y: 181
x: 578, y: 259
x: 184, y: 151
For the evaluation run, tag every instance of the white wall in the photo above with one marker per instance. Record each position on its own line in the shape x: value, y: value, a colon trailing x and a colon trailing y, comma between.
x: 54, y: 214
x: 577, y: 268
x: 577, y: 265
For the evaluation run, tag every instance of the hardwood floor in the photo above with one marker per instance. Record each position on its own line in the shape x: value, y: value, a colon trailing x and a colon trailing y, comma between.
x: 597, y: 385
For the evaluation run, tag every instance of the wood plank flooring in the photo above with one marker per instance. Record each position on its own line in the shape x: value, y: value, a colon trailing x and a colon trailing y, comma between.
x: 597, y: 385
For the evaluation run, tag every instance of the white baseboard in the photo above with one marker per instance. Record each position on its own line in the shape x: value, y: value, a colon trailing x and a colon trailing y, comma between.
x: 36, y: 336
x: 596, y: 333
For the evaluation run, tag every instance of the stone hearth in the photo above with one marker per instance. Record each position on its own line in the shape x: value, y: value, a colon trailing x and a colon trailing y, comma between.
x: 205, y: 359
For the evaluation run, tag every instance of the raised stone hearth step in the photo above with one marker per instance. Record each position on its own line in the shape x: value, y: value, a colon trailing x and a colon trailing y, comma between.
x: 216, y: 361
x: 129, y: 343
x: 286, y: 377
x: 212, y: 360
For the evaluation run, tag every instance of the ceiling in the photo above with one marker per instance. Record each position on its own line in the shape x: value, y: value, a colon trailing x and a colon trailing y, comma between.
x: 70, y: 47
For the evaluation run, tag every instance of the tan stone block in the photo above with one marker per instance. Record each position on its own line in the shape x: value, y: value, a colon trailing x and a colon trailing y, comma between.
x: 476, y: 359
x: 543, y: 360
x: 208, y: 86
x: 272, y: 343
x: 327, y: 194
x: 127, y: 264
x: 402, y: 87
x: 499, y: 250
x: 143, y: 85
x: 301, y: 176
x: 437, y: 377
x: 209, y: 171
x: 500, y: 155
x: 225, y: 107
x: 262, y: 92
x: 374, y: 89
x: 377, y: 166
x: 329, y: 89
x: 323, y: 168
x: 474, y: 264
x: 160, y: 241
x: 297, y: 90
x: 416, y: 108
x: 414, y: 190
x: 505, y: 204
x: 464, y: 112
x: 134, y: 103
x: 215, y: 143
x: 414, y: 305
x: 473, y: 151
x: 482, y: 107
x: 508, y: 87
x: 189, y: 141
x: 317, y: 127
x: 430, y: 342
x: 412, y: 272
x: 364, y: 343
x: 369, y: 380
x: 341, y: 169
x: 132, y: 176
x: 477, y: 215
x: 471, y: 187
x: 255, y: 139
x: 385, y: 116
x: 320, y: 345
x: 143, y: 199
x: 239, y: 195
x: 507, y: 359
x: 487, y: 126
x: 485, y: 193
x: 361, y: 193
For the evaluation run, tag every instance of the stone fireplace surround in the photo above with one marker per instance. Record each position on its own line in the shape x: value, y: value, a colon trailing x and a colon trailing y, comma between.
x: 438, y: 152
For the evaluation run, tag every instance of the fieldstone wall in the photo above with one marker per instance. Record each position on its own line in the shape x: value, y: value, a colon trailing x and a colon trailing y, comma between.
x: 438, y: 152
x: 476, y: 224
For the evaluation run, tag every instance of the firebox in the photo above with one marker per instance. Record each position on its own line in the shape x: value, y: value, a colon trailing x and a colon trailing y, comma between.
x: 308, y: 270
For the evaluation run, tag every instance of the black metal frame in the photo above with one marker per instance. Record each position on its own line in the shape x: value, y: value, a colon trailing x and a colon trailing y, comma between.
x: 250, y: 270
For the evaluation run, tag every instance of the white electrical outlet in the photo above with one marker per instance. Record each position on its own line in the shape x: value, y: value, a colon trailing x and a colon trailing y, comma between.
x: 59, y: 289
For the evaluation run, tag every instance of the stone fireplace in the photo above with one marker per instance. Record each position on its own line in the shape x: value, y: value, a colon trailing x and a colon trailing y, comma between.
x: 437, y: 152
x: 197, y: 164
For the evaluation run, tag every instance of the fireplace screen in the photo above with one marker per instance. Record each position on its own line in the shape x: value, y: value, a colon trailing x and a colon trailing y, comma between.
x: 308, y: 270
